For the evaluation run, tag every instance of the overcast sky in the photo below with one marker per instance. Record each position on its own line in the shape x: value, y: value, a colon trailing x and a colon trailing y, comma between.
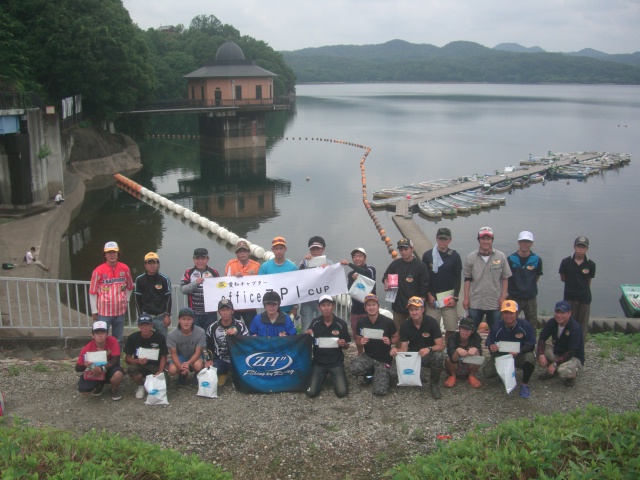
x: 611, y: 26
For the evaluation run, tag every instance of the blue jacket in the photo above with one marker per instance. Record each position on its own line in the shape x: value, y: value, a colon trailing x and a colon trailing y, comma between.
x: 521, y: 332
x: 522, y: 282
x: 262, y: 326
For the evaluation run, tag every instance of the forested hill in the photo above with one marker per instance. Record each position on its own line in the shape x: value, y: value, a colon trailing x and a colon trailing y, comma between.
x: 400, y: 61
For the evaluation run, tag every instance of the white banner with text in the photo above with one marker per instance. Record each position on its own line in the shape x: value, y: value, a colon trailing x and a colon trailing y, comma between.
x: 293, y: 287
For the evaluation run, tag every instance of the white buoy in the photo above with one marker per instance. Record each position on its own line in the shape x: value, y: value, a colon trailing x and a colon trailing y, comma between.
x: 233, y: 239
x: 223, y: 233
x: 144, y: 191
x: 260, y: 252
x: 164, y: 202
x: 179, y: 209
x: 195, y: 218
x: 268, y: 255
x: 205, y: 222
x: 187, y: 214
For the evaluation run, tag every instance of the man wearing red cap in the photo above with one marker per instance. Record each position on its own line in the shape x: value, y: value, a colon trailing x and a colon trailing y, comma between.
x: 280, y: 264
x: 486, y: 276
x: 110, y: 290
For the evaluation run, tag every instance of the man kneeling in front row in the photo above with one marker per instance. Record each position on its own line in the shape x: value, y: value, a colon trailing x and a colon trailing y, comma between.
x: 146, y: 353
x: 375, y: 364
x: 330, y: 337
x: 421, y: 333
x: 565, y: 357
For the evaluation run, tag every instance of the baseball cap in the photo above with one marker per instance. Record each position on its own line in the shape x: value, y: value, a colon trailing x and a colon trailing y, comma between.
x: 99, y: 325
x: 467, y: 323
x: 581, y: 241
x: 415, y: 301
x: 151, y: 256
x: 325, y: 298
x: 443, y: 232
x: 525, y: 235
x: 485, y: 231
x: 145, y: 319
x: 358, y: 249
x: 242, y: 245
x: 509, y: 306
x: 563, y: 306
x: 278, y: 241
x: 371, y: 296
x: 225, y: 302
x: 405, y: 242
x: 111, y: 247
x: 186, y: 311
x: 271, y: 297
x: 200, y: 252
x: 316, y: 242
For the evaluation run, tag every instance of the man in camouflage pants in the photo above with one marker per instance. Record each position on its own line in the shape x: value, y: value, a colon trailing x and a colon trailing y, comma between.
x: 375, y: 364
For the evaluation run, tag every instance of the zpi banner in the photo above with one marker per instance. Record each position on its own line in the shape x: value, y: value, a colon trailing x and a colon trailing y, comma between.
x: 293, y: 287
x: 270, y: 364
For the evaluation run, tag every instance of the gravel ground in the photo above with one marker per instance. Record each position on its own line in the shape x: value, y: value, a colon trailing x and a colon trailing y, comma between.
x: 290, y: 436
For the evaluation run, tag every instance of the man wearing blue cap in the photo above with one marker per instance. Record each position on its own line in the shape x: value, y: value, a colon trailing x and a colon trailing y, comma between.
x: 146, y: 353
x: 565, y: 356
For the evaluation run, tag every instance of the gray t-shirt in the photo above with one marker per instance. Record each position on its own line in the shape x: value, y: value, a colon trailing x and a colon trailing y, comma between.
x: 185, y: 345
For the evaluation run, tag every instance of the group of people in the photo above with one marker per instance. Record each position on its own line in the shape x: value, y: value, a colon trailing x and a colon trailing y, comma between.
x: 496, y: 288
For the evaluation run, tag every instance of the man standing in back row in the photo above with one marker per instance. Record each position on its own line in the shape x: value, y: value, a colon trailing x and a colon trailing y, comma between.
x: 526, y: 269
x: 412, y: 281
x: 110, y: 290
x: 445, y: 271
x: 577, y: 272
x: 153, y: 294
x: 192, y: 286
x: 486, y: 273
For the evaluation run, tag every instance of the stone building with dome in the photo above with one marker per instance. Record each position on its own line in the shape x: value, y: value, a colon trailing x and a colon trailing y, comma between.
x: 231, y: 80
x: 235, y: 94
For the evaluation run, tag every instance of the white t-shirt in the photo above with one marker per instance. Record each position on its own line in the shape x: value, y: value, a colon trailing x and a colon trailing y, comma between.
x: 29, y: 257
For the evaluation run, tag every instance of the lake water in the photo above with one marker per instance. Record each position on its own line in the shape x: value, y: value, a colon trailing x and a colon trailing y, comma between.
x: 417, y: 132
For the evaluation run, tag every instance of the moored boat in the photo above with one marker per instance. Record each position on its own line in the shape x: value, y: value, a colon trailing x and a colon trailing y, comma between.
x: 447, y: 210
x: 456, y: 205
x: 482, y: 203
x: 429, y: 210
x: 501, y: 187
x: 630, y: 300
x: 536, y: 178
x: 465, y: 203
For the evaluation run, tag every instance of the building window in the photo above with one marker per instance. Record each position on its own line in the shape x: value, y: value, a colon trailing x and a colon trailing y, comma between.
x: 238, y: 92
x: 258, y: 92
x: 193, y: 92
x: 202, y: 92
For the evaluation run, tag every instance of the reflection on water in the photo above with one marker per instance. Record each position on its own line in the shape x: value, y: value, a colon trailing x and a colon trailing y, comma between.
x: 418, y: 132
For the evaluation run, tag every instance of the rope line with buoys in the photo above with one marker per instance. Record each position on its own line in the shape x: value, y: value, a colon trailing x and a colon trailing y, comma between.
x: 232, y: 238
x: 155, y: 199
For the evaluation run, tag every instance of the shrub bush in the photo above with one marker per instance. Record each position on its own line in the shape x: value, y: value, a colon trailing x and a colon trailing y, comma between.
x: 585, y: 443
x: 35, y: 453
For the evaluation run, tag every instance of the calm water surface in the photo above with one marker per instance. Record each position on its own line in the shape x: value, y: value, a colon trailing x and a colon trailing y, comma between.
x: 417, y: 132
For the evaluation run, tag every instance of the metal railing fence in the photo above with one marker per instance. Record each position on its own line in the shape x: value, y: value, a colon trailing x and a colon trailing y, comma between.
x: 56, y: 307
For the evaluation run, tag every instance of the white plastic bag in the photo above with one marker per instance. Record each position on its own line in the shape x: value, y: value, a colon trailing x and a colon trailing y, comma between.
x: 409, y: 365
x: 208, y: 382
x: 156, y: 388
x: 362, y: 286
x: 505, y: 366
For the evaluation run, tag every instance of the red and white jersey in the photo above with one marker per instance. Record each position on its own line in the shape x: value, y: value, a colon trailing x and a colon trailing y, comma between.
x: 110, y: 284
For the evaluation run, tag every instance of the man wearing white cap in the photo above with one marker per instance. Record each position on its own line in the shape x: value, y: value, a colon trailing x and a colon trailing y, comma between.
x: 110, y: 290
x: 99, y: 362
x: 330, y: 337
x: 486, y: 273
x: 526, y: 269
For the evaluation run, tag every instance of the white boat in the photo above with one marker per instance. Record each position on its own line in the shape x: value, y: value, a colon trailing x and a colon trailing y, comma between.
x: 482, y: 203
x: 461, y: 201
x: 429, y: 210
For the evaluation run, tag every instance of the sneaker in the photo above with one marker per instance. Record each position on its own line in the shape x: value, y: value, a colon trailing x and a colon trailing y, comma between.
x: 222, y: 379
x: 116, y: 395
x: 569, y: 382
x: 96, y: 392
x: 182, y: 380
x: 474, y: 382
x: 546, y: 376
x: 368, y: 380
x: 140, y: 392
x: 451, y: 381
x: 524, y: 391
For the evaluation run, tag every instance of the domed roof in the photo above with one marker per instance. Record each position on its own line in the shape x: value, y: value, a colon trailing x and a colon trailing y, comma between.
x: 229, y: 51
